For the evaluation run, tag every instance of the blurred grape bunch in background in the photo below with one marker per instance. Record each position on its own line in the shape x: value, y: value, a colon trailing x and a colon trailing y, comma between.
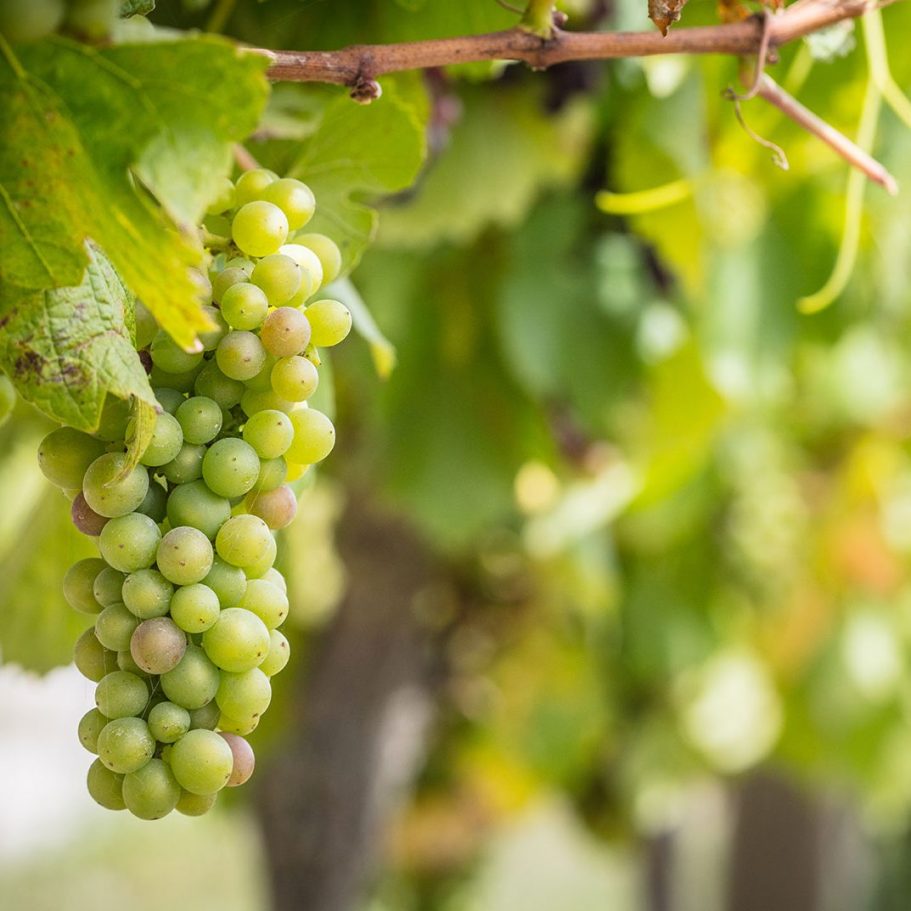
x: 618, y: 611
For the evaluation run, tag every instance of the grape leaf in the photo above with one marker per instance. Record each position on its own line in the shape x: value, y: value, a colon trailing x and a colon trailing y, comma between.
x: 358, y: 151
x: 66, y: 349
x: 136, y: 8
x: 124, y: 145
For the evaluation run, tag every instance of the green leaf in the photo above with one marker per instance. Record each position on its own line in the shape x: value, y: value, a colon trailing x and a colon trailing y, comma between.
x: 123, y: 145
x: 67, y: 349
x: 136, y: 8
x: 361, y: 151
x: 502, y: 154
x: 381, y: 349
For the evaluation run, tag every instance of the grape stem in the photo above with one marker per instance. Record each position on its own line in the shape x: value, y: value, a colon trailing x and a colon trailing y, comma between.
x: 356, y: 65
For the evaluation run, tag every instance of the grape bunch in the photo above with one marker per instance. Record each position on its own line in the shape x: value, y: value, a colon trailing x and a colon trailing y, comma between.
x: 188, y: 603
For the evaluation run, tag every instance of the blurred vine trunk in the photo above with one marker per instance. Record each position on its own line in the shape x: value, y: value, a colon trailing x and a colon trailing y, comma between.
x: 361, y: 717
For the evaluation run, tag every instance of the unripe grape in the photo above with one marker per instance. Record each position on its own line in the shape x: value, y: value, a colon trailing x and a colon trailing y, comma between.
x: 259, y: 228
x: 195, y: 608
x: 187, y: 466
x: 168, y: 356
x: 230, y: 467
x: 202, y: 762
x: 30, y: 21
x: 107, y: 493
x: 121, y: 695
x: 115, y: 415
x: 184, y: 555
x: 126, y: 663
x: 194, y: 682
x: 158, y: 645
x: 277, y: 579
x: 272, y: 474
x: 244, y: 305
x: 233, y: 726
x: 244, y: 541
x: 311, y: 271
x: 152, y: 791
x: 91, y: 19
x: 147, y: 594
x: 167, y: 438
x: 168, y: 722
x: 228, y: 582
x: 78, y: 585
x: 114, y: 627
x: 263, y: 564
x: 65, y: 454
x: 195, y: 804
x: 129, y: 543
x: 244, y: 696
x: 206, y: 718
x: 91, y: 725
x: 251, y: 185
x: 279, y: 276
x: 196, y: 505
x: 105, y: 787
x: 154, y: 505
x: 238, y: 641
x: 125, y: 745
x: 277, y: 508
x: 181, y: 382
x: 330, y: 322
x: 244, y: 759
x: 200, y: 419
x: 294, y: 198
x: 270, y: 433
x: 210, y: 338
x: 240, y: 355
x: 267, y: 601
x: 330, y: 256
x: 294, y: 378
x: 314, y: 437
x: 108, y: 586
x: 213, y: 384
x: 223, y: 199
x: 91, y: 658
x: 169, y: 399
x: 146, y: 326
x: 279, y: 654
x: 226, y: 278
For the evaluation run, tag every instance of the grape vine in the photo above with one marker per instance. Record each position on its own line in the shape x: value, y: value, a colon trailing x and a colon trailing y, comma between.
x: 187, y: 603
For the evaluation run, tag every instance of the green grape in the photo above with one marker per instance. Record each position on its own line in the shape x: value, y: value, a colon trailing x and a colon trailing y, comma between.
x: 121, y: 695
x: 272, y: 474
x: 277, y: 508
x: 114, y: 627
x: 267, y: 601
x: 166, y: 441
x: 195, y: 804
x: 180, y: 382
x: 125, y: 745
x: 158, y: 645
x: 152, y: 791
x: 107, y: 493
x: 228, y: 582
x: 254, y: 401
x: 294, y: 378
x: 270, y: 433
x: 233, y: 726
x: 169, y: 399
x: 155, y: 503
x: 108, y: 586
x: 244, y: 696
x: 230, y: 467
x: 7, y: 390
x: 85, y: 518
x: 126, y: 663
x: 185, y: 555
x: 228, y: 277
x: 213, y: 384
x: 194, y: 504
x: 294, y: 198
x: 259, y: 228
x: 194, y: 682
x: 330, y: 256
x: 311, y: 271
x: 240, y: 355
x: 91, y: 19
x: 238, y: 641
x: 314, y: 437
x: 200, y: 419
x: 146, y: 326
x: 223, y: 199
x: 205, y: 718
x: 168, y: 722
x: 65, y: 454
x: 115, y: 415
x: 187, y: 466
x: 29, y: 21
x: 244, y: 760
x: 105, y: 787
x: 279, y: 277
x: 91, y: 658
x: 78, y: 585
x: 244, y: 305
x: 168, y: 356
x: 91, y: 725
x: 277, y: 579
x: 244, y: 541
x: 330, y: 321
x: 195, y: 608
x: 279, y: 654
x: 210, y: 338
x: 285, y: 332
x: 263, y: 564
x: 262, y: 382
x: 147, y: 594
x: 129, y: 543
x: 202, y: 762
x: 251, y: 184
